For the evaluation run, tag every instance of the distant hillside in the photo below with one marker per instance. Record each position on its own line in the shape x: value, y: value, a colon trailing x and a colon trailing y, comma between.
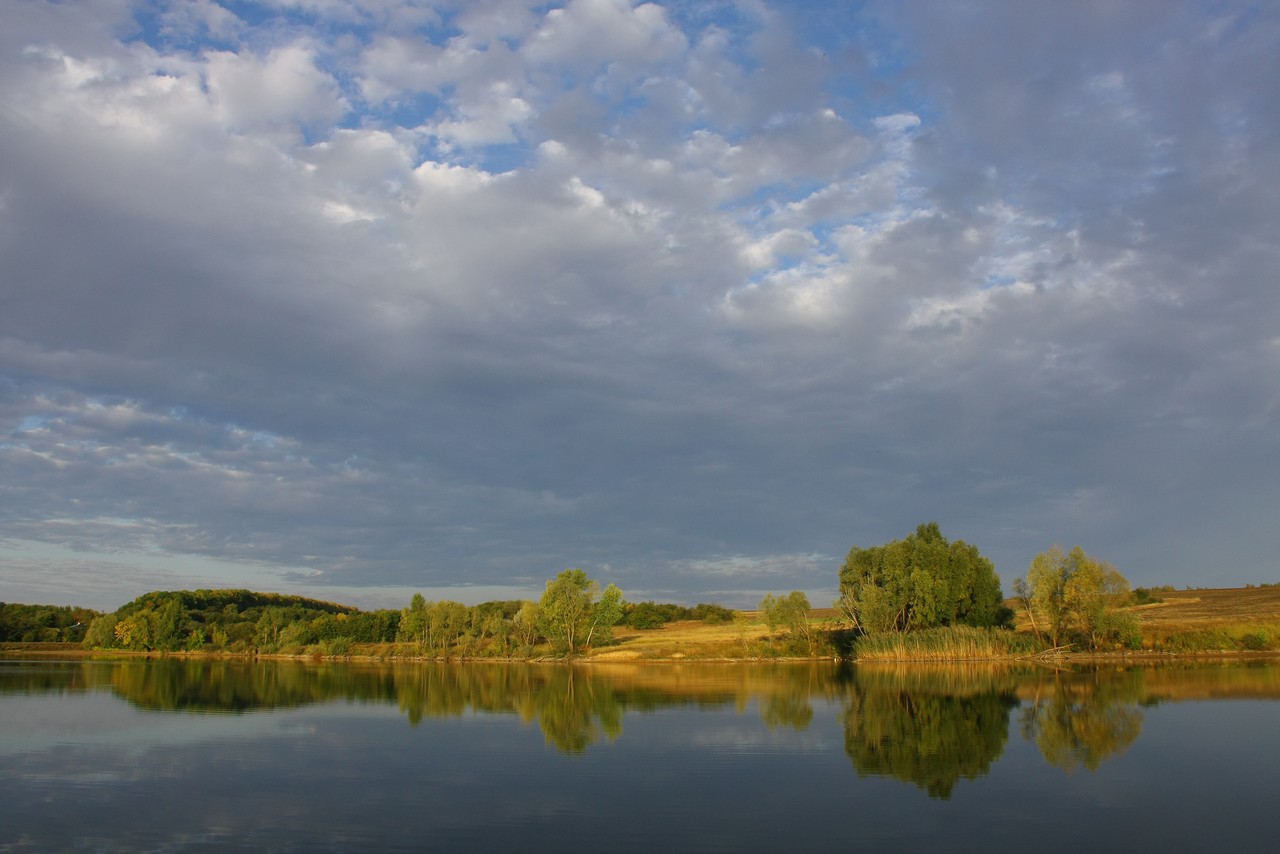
x: 204, y: 600
x: 237, y: 621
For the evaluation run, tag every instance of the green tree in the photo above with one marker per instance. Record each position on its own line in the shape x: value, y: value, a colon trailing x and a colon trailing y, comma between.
x: 446, y: 623
x: 102, y: 633
x: 605, y: 614
x: 134, y: 632
x: 497, y: 627
x: 919, y: 582
x: 1071, y: 597
x: 413, y: 622
x: 168, y: 625
x: 271, y: 622
x: 769, y: 610
x: 573, y: 611
x: 525, y: 624
x: 792, y: 613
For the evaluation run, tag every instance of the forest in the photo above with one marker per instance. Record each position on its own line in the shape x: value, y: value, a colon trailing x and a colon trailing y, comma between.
x: 573, y: 614
x: 43, y: 623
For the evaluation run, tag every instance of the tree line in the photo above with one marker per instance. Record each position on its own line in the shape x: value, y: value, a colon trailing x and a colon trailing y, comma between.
x: 574, y: 614
x: 236, y: 621
x: 43, y: 623
x: 921, y: 582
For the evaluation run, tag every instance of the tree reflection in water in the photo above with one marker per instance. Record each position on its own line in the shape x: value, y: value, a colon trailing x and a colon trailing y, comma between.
x: 926, y: 725
x: 1083, y: 719
x: 574, y: 706
x: 931, y: 726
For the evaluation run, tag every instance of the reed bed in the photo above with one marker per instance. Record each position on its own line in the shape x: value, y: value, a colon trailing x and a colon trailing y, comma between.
x: 951, y: 643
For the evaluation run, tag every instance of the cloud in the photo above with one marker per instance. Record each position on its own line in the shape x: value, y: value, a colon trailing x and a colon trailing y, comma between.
x: 588, y: 33
x: 284, y: 86
x: 382, y: 295
x: 760, y: 565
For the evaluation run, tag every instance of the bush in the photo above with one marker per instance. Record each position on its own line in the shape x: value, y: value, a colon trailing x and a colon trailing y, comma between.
x: 1145, y: 596
x: 1255, y: 641
x: 1119, y: 629
x: 334, y: 647
x: 645, y: 615
x: 712, y: 614
x: 652, y: 615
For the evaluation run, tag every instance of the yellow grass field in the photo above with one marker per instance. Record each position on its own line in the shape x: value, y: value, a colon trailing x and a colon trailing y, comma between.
x: 1208, y: 614
x: 1182, y: 610
x: 1188, y: 617
x: 690, y: 639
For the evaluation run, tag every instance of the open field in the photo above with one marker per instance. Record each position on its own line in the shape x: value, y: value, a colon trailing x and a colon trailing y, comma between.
x: 687, y: 639
x: 1191, y: 609
x: 1240, y: 618
x: 1187, y: 621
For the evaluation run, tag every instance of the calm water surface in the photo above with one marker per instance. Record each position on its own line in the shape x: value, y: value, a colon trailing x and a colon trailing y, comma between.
x: 186, y: 755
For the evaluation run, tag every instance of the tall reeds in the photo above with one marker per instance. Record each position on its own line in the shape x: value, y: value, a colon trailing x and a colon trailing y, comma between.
x: 950, y: 643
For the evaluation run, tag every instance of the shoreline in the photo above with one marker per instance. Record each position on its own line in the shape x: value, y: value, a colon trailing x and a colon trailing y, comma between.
x: 19, y: 650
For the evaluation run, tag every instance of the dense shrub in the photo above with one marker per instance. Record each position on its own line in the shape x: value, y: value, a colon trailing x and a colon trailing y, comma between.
x: 1255, y: 641
x: 652, y: 615
x: 1145, y: 596
x: 712, y: 614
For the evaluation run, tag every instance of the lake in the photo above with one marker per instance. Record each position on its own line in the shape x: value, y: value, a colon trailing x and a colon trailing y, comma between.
x: 188, y: 755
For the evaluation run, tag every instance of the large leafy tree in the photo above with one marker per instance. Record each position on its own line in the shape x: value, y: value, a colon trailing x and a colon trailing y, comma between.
x: 413, y: 622
x: 573, y: 612
x: 919, y: 582
x: 1070, y: 596
x: 791, y: 612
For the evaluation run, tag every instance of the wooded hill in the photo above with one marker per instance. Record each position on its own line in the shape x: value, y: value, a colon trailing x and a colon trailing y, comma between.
x: 244, y: 621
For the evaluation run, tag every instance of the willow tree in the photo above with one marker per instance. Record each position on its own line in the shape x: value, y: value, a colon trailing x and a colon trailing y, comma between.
x: 919, y: 582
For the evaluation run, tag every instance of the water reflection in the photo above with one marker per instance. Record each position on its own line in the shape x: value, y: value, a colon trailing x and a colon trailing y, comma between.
x: 928, y: 726
x: 574, y: 706
x: 931, y: 727
x: 1083, y: 719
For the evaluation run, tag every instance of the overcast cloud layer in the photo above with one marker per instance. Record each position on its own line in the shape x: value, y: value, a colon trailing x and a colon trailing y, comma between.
x: 358, y: 297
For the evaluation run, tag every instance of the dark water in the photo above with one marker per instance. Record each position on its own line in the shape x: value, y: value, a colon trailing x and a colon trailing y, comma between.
x: 188, y: 755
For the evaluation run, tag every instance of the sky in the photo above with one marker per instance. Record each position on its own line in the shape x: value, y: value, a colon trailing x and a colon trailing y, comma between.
x: 356, y: 298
